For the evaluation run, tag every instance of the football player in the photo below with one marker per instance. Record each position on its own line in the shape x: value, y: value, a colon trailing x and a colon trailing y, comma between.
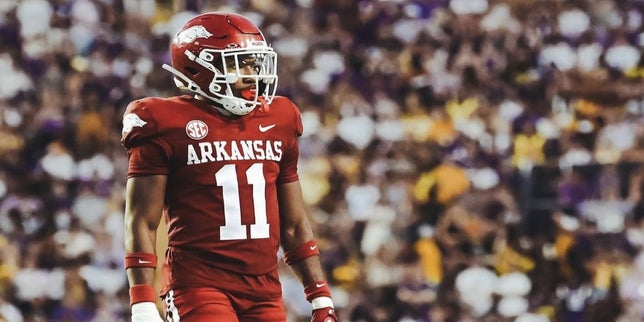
x: 220, y: 166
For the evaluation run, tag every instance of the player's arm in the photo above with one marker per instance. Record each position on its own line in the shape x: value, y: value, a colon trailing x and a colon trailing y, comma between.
x: 143, y: 210
x: 301, y: 252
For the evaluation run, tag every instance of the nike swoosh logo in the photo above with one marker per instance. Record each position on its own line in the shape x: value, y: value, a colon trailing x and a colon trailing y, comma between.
x: 319, y: 285
x: 266, y: 128
x: 144, y: 262
x: 313, y: 247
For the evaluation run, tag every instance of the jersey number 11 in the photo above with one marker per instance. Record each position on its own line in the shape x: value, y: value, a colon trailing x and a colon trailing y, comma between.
x: 227, y: 179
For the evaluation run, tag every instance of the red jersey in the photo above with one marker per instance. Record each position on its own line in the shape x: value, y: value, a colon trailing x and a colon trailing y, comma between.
x: 221, y: 200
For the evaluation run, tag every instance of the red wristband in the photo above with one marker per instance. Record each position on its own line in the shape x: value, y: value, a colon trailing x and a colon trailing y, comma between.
x: 302, y: 252
x: 140, y: 260
x: 142, y: 293
x: 317, y: 289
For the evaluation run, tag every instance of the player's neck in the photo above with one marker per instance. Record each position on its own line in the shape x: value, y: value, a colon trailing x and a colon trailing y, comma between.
x: 216, y: 106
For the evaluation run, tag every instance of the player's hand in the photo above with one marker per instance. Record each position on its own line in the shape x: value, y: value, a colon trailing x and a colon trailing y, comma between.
x: 145, y: 312
x: 323, y: 309
x: 325, y: 314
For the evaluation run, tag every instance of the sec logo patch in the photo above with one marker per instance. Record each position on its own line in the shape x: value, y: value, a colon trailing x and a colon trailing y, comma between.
x: 196, y: 129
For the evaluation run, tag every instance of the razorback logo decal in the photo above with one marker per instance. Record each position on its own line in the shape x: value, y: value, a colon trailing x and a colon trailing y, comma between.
x: 191, y: 34
x: 132, y: 120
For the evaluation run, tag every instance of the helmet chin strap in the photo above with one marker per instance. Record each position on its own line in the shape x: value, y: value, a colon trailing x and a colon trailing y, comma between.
x: 193, y: 87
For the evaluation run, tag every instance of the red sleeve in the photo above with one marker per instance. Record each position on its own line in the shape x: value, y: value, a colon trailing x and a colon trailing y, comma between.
x: 147, y: 159
x: 147, y: 152
x: 139, y: 124
x: 288, y: 165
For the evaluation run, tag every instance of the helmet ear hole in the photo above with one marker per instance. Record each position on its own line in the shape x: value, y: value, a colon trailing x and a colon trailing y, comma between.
x: 192, y: 71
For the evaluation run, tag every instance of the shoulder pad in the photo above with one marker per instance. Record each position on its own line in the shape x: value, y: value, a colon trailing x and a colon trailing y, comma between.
x: 140, y: 120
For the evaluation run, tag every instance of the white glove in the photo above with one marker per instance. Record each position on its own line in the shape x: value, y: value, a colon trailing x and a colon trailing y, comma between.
x: 145, y: 312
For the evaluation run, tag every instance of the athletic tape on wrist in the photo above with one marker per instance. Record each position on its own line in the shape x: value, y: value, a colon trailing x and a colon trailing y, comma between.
x: 142, y: 293
x: 140, y: 260
x: 145, y: 312
x: 321, y: 302
x: 317, y: 289
x: 302, y: 252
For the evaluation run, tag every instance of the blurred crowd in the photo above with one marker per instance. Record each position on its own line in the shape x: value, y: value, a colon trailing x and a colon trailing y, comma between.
x: 462, y: 160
